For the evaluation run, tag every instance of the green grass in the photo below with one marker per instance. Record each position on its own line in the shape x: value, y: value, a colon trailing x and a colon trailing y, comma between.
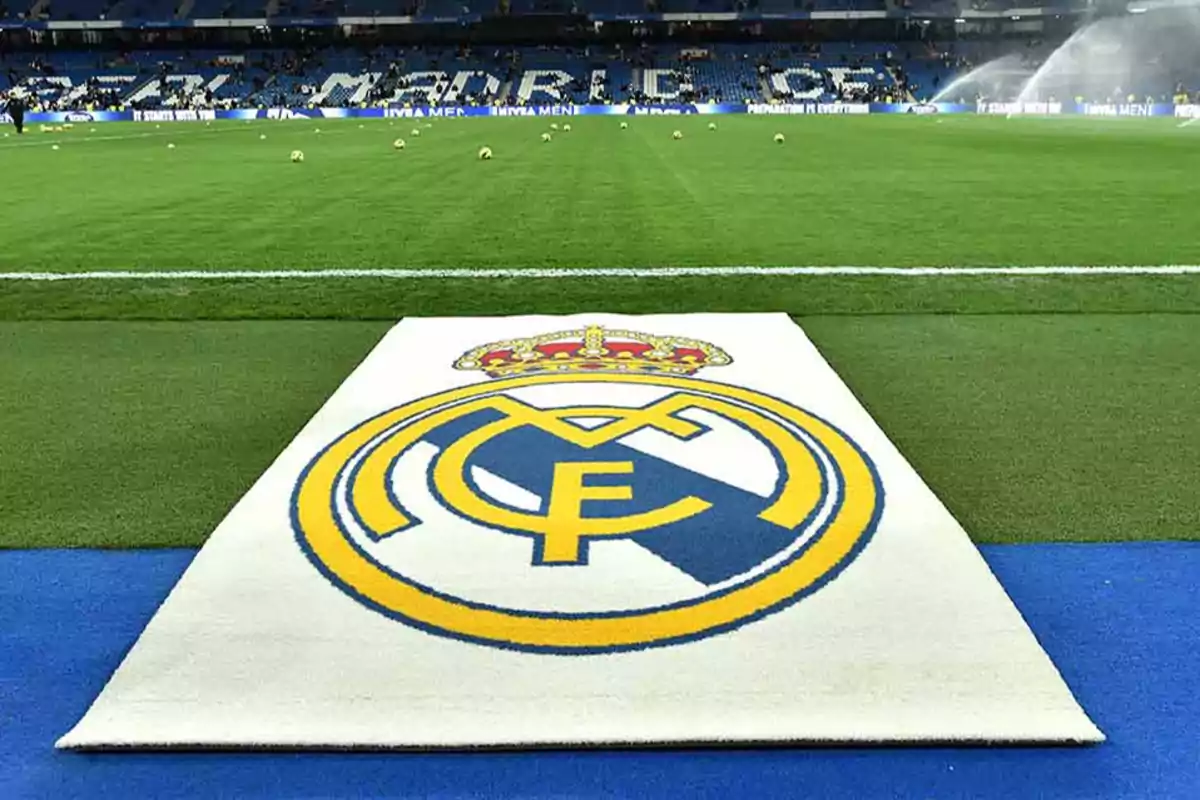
x: 383, y: 299
x: 1037, y: 427
x: 897, y: 191
x: 1031, y: 428
x: 133, y: 435
x: 842, y: 190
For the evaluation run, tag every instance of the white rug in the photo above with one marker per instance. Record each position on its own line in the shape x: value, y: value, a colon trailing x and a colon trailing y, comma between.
x: 586, y: 530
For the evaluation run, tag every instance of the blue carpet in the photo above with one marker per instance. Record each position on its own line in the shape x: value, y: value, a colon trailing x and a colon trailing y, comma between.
x: 1121, y: 621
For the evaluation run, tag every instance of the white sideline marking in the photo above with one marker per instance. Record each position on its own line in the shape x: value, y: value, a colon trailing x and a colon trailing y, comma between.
x: 599, y: 272
x: 1187, y: 122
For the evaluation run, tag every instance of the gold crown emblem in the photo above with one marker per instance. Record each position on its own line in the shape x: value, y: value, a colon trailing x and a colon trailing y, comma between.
x: 594, y: 349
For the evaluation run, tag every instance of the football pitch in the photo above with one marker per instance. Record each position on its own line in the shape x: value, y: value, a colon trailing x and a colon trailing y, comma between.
x: 1040, y: 408
x: 171, y: 316
x: 893, y: 191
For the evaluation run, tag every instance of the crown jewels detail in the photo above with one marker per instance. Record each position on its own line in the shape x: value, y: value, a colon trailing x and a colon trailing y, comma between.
x: 594, y: 349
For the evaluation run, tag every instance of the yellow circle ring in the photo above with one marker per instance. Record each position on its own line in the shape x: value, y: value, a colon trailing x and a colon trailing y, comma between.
x: 320, y: 535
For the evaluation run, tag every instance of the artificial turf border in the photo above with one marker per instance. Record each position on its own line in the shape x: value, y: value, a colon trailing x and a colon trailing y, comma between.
x: 386, y: 299
x: 1059, y: 427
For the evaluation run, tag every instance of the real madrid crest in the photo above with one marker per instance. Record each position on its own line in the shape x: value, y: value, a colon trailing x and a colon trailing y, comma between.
x: 591, y: 495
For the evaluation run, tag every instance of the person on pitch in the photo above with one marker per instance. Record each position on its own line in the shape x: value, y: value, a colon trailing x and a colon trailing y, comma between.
x: 15, y: 107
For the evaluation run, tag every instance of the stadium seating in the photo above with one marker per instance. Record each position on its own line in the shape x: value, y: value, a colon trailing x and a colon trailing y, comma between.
x: 396, y: 76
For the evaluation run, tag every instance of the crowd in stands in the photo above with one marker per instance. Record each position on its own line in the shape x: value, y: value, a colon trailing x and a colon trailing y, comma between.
x: 644, y: 74
x: 396, y: 76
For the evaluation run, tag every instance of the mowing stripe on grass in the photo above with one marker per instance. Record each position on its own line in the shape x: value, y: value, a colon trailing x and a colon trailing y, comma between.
x: 175, y: 130
x: 601, y: 272
x: 42, y: 139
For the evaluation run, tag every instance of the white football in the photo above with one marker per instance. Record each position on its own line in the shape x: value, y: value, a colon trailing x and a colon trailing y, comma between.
x: 779, y: 138
x: 712, y: 126
x: 485, y: 153
x: 677, y: 135
x: 416, y: 131
x: 545, y: 137
x: 553, y: 126
x: 566, y: 126
x: 53, y: 147
x: 262, y: 136
x: 170, y: 146
x: 398, y: 144
x: 624, y: 125
x: 297, y: 156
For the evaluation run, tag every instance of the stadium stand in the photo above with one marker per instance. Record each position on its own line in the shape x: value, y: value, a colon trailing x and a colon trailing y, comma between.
x: 169, y: 54
x: 446, y: 76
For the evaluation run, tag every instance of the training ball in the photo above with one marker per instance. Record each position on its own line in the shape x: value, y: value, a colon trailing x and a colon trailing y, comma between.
x: 297, y: 156
x: 262, y: 136
x: 170, y: 146
x: 779, y: 138
x: 677, y: 135
x: 398, y: 144
x: 428, y: 124
x: 416, y: 131
x: 360, y: 127
x: 712, y: 126
x: 624, y: 125
x: 485, y: 153
x: 567, y: 127
x: 156, y: 127
x: 553, y: 126
x: 545, y: 137
x: 91, y: 130
x: 53, y: 147
x: 316, y: 130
